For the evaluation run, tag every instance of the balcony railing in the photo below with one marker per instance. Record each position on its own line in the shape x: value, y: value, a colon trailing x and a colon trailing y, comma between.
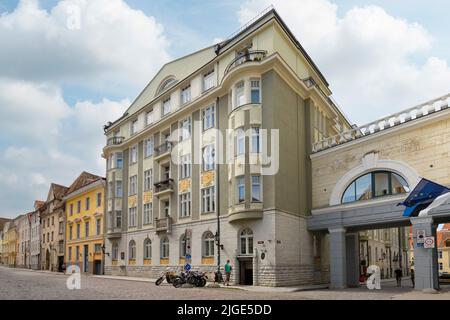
x: 250, y: 56
x: 166, y: 185
x: 114, y: 141
x: 163, y: 224
x: 162, y: 149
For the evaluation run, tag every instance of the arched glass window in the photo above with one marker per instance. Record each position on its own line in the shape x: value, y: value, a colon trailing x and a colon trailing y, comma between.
x: 183, y: 247
x: 164, y: 248
x: 166, y: 84
x: 132, y: 250
x: 246, y: 238
x: 147, y: 249
x: 208, y: 244
x: 375, y: 184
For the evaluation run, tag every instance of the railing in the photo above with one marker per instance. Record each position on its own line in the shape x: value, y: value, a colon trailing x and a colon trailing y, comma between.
x: 114, y: 141
x: 388, y: 122
x: 164, y: 148
x: 163, y: 224
x: 163, y: 186
x: 250, y: 56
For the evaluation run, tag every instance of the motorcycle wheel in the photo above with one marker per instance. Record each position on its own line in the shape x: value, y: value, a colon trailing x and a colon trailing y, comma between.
x: 159, y: 281
x: 177, y: 282
x: 202, y: 282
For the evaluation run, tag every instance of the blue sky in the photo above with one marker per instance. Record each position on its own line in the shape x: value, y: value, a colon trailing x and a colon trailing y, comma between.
x: 58, y: 87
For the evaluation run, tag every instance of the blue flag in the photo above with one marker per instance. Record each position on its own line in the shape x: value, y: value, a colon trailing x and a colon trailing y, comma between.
x: 422, y: 196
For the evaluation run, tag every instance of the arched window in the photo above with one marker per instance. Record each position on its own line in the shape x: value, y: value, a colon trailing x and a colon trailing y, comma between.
x: 208, y: 244
x: 246, y: 239
x: 166, y: 84
x: 183, y: 247
x: 147, y: 249
x: 164, y: 248
x: 132, y: 250
x: 375, y: 184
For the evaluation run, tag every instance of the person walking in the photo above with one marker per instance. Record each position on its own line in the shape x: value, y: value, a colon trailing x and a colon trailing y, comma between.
x: 398, y: 276
x: 228, y: 269
x: 413, y: 279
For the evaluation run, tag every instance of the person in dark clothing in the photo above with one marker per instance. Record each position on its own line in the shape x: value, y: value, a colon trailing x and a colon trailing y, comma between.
x: 413, y: 279
x: 398, y: 276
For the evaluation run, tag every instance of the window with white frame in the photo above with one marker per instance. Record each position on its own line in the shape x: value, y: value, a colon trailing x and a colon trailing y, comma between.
x: 240, y: 188
x: 134, y: 127
x: 132, y: 217
x: 208, y: 200
x: 208, y: 117
x: 255, y: 93
x: 185, y: 166
x: 118, y: 219
x: 119, y: 160
x: 148, y: 179
x: 246, y: 239
x: 209, y: 80
x: 149, y: 118
x: 208, y: 157
x: 165, y: 107
x: 208, y: 244
x: 119, y: 190
x: 147, y: 249
x: 185, y: 129
x: 240, y: 141
x: 133, y: 185
x: 166, y: 208
x: 165, y: 248
x: 148, y: 213
x: 149, y: 147
x: 185, y: 95
x: 111, y: 161
x: 256, y: 140
x: 133, y: 155
x: 239, y: 95
x: 256, y: 188
x: 185, y: 205
x: 132, y: 250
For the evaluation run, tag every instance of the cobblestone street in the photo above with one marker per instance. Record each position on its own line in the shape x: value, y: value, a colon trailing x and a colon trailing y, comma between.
x: 18, y: 284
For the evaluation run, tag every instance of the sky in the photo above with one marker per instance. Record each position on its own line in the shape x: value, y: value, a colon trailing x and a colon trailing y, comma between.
x: 60, y: 84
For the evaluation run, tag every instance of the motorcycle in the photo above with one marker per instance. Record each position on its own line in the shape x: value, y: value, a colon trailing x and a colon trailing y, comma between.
x: 168, y: 275
x: 194, y: 278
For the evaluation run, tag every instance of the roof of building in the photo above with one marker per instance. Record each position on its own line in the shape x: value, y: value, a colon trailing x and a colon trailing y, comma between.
x: 84, y: 179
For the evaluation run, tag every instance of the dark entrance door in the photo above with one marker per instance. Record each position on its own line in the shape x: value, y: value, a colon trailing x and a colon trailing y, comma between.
x: 97, y: 267
x: 246, y: 271
x: 60, y: 263
x: 86, y: 259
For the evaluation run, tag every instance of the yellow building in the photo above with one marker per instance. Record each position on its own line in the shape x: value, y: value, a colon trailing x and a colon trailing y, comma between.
x: 11, y: 243
x: 85, y: 223
x: 443, y: 243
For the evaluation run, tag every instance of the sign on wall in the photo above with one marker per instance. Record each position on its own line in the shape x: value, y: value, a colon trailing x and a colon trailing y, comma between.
x: 429, y: 243
x: 420, y: 233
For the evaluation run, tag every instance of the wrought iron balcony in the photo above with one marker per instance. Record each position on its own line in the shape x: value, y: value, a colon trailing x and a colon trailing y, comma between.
x: 114, y: 141
x: 250, y: 56
x: 163, y: 149
x: 163, y: 224
x: 163, y: 186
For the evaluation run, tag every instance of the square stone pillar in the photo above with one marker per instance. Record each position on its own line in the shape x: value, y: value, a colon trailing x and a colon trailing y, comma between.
x: 425, y: 260
x: 338, y: 258
x: 352, y: 250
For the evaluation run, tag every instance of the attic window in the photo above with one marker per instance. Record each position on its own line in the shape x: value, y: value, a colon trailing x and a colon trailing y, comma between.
x: 166, y: 84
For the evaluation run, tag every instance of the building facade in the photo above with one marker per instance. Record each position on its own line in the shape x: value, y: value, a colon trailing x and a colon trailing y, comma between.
x: 3, y: 228
x: 192, y: 150
x: 85, y: 223
x: 52, y: 223
x: 11, y: 243
x: 23, y: 241
x: 35, y: 236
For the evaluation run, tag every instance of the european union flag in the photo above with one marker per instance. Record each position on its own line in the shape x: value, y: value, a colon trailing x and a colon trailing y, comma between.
x: 422, y: 196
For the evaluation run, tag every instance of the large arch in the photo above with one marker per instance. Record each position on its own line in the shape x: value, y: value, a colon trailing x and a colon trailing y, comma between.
x: 371, y: 162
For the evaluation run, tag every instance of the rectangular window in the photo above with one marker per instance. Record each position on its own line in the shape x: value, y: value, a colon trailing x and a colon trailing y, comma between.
x: 115, y: 251
x: 86, y: 229
x: 255, y: 91
x: 110, y: 190
x: 148, y: 213
x: 209, y: 158
x: 148, y: 180
x: 256, y: 140
x: 52, y: 235
x: 149, y: 119
x: 185, y: 95
x: 149, y: 147
x: 185, y: 129
x: 53, y: 221
x: 88, y: 201
x: 440, y: 254
x: 78, y: 206
x: 185, y: 166
x: 208, y: 117
x: 70, y: 232
x: 134, y: 127
x: 77, y: 253
x: 133, y: 185
x: 209, y: 80
x: 208, y: 200
x: 132, y: 217
x: 70, y: 254
x: 61, y: 227
x: 240, y: 184
x: 240, y: 141
x: 133, y: 155
x: 119, y: 190
x: 78, y: 230
x: 99, y: 199
x: 256, y: 188
x: 118, y: 219
x: 119, y: 160
x: 239, y: 94
x: 166, y: 208
x: 185, y: 205
x: 71, y: 209
x: 98, y: 226
x: 97, y: 248
x: 165, y: 107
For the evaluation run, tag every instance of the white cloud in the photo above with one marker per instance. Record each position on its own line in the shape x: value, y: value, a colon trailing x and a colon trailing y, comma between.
x: 368, y: 56
x: 116, y: 47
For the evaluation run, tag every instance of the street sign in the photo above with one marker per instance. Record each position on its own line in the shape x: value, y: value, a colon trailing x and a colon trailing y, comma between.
x: 429, y: 243
x: 188, y: 257
x: 420, y: 233
x: 187, y: 267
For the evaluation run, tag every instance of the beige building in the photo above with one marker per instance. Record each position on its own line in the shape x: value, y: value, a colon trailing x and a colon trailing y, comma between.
x: 23, y: 241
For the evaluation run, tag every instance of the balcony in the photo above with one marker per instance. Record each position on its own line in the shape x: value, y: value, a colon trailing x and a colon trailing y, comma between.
x: 163, y: 150
x: 163, y: 224
x: 164, y: 187
x: 115, y: 141
x: 250, y: 56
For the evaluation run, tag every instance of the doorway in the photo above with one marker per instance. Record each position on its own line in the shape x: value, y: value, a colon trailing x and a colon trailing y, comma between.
x: 246, y: 271
x: 98, y: 267
x: 86, y: 259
